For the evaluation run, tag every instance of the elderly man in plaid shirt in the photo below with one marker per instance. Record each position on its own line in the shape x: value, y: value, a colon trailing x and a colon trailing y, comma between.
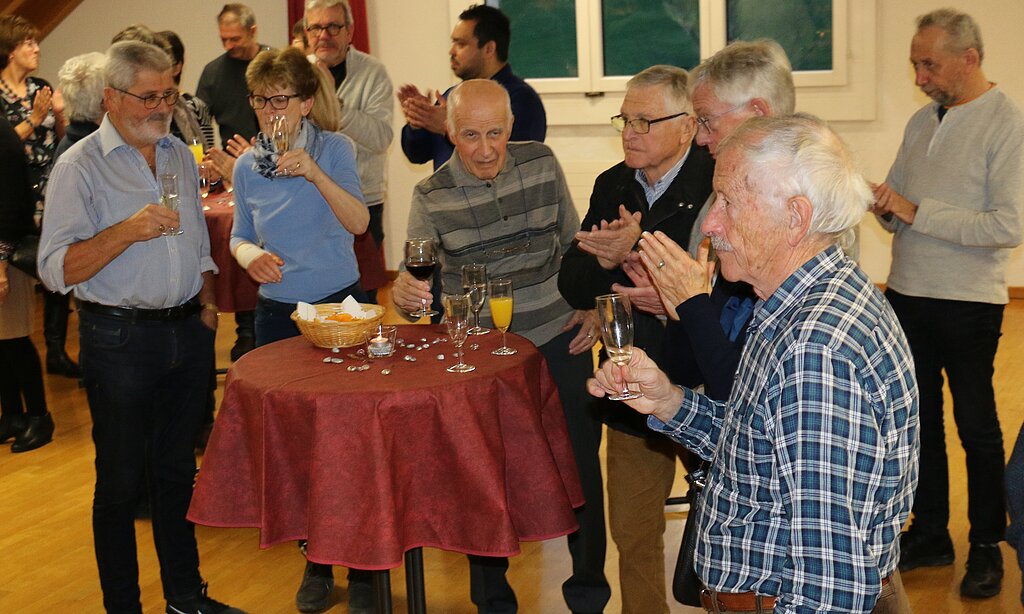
x: 814, y: 455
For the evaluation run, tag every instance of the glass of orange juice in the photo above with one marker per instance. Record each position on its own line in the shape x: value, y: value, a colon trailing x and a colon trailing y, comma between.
x: 500, y: 300
x: 197, y: 151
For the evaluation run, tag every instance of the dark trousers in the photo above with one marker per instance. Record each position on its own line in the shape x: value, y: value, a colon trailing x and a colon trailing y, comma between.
x: 587, y: 589
x: 274, y: 318
x: 960, y: 338
x: 1015, y: 501
x: 146, y: 384
x: 21, y: 378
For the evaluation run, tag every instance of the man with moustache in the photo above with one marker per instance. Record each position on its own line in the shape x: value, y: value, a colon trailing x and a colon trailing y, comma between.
x: 479, y: 50
x: 953, y: 199
x: 365, y: 90
x: 147, y: 321
x: 815, y: 449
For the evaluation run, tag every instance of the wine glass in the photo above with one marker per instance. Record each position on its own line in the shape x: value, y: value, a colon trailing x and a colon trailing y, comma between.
x: 456, y: 317
x: 501, y: 312
x: 280, y: 135
x: 420, y: 261
x: 474, y: 283
x: 616, y: 317
x: 169, y: 198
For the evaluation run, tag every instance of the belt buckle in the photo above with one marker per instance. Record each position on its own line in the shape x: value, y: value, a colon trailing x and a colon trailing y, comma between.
x: 712, y: 598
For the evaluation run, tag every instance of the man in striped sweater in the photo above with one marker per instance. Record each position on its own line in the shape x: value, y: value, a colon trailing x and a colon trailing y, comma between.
x: 507, y: 205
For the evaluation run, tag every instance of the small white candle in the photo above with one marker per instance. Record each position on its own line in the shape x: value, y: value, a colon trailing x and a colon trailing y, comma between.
x: 380, y: 346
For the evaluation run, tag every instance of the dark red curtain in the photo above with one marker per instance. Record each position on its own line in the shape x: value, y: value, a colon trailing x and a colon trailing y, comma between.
x: 360, y: 38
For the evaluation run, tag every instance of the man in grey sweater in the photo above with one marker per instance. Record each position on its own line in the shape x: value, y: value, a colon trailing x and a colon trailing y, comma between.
x: 953, y: 199
x: 367, y: 104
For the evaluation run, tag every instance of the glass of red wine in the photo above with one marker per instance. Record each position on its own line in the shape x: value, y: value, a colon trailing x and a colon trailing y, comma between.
x: 420, y: 261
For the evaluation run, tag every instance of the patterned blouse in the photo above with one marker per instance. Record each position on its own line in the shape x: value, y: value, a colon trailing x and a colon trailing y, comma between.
x: 42, y: 143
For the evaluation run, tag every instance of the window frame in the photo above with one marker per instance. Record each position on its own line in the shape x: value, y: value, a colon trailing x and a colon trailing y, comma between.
x: 847, y: 92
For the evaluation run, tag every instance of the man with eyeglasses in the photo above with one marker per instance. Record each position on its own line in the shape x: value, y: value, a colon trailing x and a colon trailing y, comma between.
x: 147, y: 321
x: 365, y: 92
x: 479, y: 50
x: 507, y: 206
x: 659, y: 186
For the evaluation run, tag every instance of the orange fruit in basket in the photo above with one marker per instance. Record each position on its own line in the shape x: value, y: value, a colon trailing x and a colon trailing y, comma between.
x: 341, y: 317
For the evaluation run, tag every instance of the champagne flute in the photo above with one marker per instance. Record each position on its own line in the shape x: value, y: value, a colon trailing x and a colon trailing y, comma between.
x: 616, y: 317
x: 474, y: 283
x: 280, y: 136
x: 501, y: 312
x: 169, y: 198
x: 456, y: 317
x: 197, y: 150
x: 420, y: 261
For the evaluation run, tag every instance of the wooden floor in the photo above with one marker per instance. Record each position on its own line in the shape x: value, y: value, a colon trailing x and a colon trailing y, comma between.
x: 47, y: 564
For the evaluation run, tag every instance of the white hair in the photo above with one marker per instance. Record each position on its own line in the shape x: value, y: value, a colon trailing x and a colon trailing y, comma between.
x: 81, y: 81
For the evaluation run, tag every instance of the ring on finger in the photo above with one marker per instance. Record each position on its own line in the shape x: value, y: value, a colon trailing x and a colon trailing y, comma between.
x: 161, y: 228
x: 661, y: 263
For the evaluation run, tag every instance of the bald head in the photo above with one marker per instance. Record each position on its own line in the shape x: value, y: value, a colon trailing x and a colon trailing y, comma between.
x: 480, y: 124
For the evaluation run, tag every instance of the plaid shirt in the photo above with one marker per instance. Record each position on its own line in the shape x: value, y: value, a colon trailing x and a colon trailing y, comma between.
x: 815, y: 452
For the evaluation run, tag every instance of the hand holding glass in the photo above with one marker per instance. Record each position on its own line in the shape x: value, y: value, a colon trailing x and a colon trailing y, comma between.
x: 474, y: 283
x: 169, y: 198
x: 281, y: 137
x: 501, y: 312
x: 456, y: 317
x: 420, y: 261
x: 616, y: 316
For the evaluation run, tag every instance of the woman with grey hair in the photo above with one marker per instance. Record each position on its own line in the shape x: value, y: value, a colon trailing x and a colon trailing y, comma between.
x: 81, y: 81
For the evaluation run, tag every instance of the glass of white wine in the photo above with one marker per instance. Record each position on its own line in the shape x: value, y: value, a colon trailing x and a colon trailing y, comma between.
x: 169, y: 197
x: 501, y: 312
x: 281, y: 136
x: 456, y: 318
x: 616, y: 316
x: 474, y: 283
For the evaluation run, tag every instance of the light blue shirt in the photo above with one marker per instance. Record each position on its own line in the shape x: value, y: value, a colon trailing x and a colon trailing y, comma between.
x: 289, y: 217
x: 102, y: 181
x: 654, y: 192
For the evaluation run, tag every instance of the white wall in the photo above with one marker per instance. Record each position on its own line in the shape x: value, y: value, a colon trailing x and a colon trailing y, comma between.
x: 411, y: 38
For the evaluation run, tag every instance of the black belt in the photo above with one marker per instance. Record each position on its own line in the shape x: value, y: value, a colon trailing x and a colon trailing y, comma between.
x: 133, y: 314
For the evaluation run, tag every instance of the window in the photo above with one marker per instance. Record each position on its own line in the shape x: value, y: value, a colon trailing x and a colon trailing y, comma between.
x: 570, y: 49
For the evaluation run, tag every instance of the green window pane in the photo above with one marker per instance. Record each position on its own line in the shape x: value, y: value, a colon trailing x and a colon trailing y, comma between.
x: 641, y: 33
x: 543, y: 37
x: 802, y: 27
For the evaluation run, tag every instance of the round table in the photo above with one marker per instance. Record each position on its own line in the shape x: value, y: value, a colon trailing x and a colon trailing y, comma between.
x: 367, y: 465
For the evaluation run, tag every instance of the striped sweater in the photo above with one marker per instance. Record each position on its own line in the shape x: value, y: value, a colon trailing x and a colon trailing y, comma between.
x: 518, y: 224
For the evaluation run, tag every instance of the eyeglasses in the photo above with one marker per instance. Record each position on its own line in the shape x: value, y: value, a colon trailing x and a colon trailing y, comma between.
x: 639, y: 124
x: 705, y: 121
x: 153, y: 101
x: 278, y: 103
x: 333, y: 29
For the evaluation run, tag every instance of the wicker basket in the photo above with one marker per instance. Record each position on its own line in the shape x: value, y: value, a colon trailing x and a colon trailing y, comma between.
x: 331, y: 334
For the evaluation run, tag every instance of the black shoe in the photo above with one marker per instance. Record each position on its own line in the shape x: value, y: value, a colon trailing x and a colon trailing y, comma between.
x: 243, y: 344
x: 923, y: 549
x: 38, y: 432
x: 360, y: 597
x: 200, y: 603
x: 984, y: 577
x: 314, y: 593
x: 11, y: 426
x: 59, y: 363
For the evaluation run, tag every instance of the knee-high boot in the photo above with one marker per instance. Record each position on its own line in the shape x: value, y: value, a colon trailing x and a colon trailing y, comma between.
x: 56, y: 307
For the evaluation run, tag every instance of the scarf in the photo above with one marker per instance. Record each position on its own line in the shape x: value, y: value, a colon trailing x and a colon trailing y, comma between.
x: 265, y: 155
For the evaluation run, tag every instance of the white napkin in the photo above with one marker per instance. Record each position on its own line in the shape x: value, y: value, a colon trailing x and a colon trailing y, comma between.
x: 306, y: 311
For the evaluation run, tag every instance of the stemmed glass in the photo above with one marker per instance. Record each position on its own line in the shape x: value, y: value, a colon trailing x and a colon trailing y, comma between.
x: 501, y: 312
x: 474, y: 283
x: 280, y: 135
x: 616, y: 318
x: 169, y: 198
x: 420, y: 261
x: 456, y: 317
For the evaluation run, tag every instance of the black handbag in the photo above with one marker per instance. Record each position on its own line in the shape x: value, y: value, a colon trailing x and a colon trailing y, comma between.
x: 686, y: 586
x: 25, y: 254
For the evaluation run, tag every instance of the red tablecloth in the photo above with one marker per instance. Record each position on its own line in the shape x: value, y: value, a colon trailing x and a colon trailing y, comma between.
x: 366, y: 466
x: 236, y: 291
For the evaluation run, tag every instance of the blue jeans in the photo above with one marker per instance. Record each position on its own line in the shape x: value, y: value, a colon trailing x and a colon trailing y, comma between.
x: 274, y: 318
x: 146, y: 384
x: 959, y: 338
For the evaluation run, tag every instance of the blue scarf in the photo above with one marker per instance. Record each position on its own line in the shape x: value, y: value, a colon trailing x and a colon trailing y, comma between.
x: 265, y: 155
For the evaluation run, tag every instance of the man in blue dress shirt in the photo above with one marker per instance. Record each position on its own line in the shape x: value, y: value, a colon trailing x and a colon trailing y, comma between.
x: 815, y: 451
x: 147, y: 322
